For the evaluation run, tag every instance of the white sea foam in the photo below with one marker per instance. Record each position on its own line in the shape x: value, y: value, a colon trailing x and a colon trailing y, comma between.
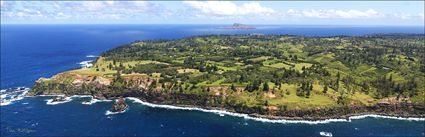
x: 93, y: 100
x: 246, y: 116
x: 326, y: 134
x: 112, y: 113
x: 81, y: 96
x: 388, y: 117
x: 86, y: 64
x: 8, y: 98
x: 58, y: 95
x: 92, y: 56
x: 5, y: 103
x: 3, y: 96
x: 50, y: 101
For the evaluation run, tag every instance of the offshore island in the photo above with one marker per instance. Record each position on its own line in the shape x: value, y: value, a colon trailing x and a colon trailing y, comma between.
x: 269, y: 76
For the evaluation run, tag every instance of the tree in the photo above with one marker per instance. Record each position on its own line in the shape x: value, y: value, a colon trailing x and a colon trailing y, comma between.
x: 266, y: 86
x: 325, y: 89
x: 307, y: 95
x: 233, y: 87
x: 181, y: 89
x: 152, y: 85
x: 110, y: 66
x: 283, y: 108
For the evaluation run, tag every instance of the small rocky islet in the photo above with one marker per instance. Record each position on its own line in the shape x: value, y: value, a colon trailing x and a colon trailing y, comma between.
x: 119, y: 106
x: 59, y: 99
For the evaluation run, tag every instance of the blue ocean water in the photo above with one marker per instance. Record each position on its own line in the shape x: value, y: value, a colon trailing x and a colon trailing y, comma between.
x: 32, y: 51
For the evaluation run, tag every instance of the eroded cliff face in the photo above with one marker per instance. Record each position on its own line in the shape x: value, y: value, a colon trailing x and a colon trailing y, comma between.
x: 78, y: 84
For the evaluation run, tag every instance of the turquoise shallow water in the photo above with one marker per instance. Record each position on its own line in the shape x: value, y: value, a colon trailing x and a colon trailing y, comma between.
x: 32, y: 51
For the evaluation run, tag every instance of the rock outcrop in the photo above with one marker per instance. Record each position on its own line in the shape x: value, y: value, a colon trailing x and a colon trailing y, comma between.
x: 119, y: 106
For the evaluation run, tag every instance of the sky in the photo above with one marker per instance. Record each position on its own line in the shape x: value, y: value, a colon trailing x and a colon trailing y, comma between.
x: 389, y: 13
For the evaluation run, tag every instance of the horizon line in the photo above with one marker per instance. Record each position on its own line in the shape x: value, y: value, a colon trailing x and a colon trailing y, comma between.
x: 375, y: 25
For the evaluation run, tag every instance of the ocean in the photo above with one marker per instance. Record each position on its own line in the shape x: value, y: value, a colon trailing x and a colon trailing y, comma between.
x: 29, y: 52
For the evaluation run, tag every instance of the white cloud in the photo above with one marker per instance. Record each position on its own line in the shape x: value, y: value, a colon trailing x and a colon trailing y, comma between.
x: 115, y: 6
x: 81, y: 10
x: 192, y: 11
x: 331, y: 13
x: 409, y: 16
x: 226, y: 8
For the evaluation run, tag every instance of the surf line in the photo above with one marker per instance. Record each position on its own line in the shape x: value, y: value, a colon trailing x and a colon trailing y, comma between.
x: 7, y: 98
x: 68, y: 99
x: 284, y: 121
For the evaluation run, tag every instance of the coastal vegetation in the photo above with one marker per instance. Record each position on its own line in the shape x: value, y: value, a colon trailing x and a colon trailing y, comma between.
x: 263, y: 75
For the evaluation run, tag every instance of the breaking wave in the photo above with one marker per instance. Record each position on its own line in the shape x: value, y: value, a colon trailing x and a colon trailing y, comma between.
x: 325, y: 134
x: 92, y: 56
x: 86, y: 64
x: 11, y: 95
x: 51, y: 102
x: 113, y: 113
x: 93, y: 100
x: 246, y: 116
x: 68, y: 99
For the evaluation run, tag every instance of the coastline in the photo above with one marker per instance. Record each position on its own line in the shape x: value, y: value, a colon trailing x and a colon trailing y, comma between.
x: 222, y: 112
x: 274, y: 119
x: 261, y: 118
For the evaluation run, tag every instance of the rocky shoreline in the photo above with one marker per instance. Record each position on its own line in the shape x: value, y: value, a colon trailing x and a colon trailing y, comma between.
x: 101, y: 89
x: 120, y: 106
x: 321, y: 118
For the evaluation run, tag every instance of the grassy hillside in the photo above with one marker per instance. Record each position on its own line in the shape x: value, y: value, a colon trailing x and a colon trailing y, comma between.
x: 275, y: 71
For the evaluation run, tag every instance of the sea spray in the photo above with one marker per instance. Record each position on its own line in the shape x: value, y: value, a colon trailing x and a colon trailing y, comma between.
x: 284, y: 121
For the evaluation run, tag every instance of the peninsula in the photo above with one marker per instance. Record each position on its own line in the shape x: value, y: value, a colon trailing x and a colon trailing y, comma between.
x: 272, y: 76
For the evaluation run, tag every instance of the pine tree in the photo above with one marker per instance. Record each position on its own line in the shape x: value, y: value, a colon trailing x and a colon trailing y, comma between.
x: 233, y: 87
x: 266, y: 86
x: 325, y: 89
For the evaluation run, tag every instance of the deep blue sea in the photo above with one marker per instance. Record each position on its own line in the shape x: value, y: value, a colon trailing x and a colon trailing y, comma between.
x: 32, y: 51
